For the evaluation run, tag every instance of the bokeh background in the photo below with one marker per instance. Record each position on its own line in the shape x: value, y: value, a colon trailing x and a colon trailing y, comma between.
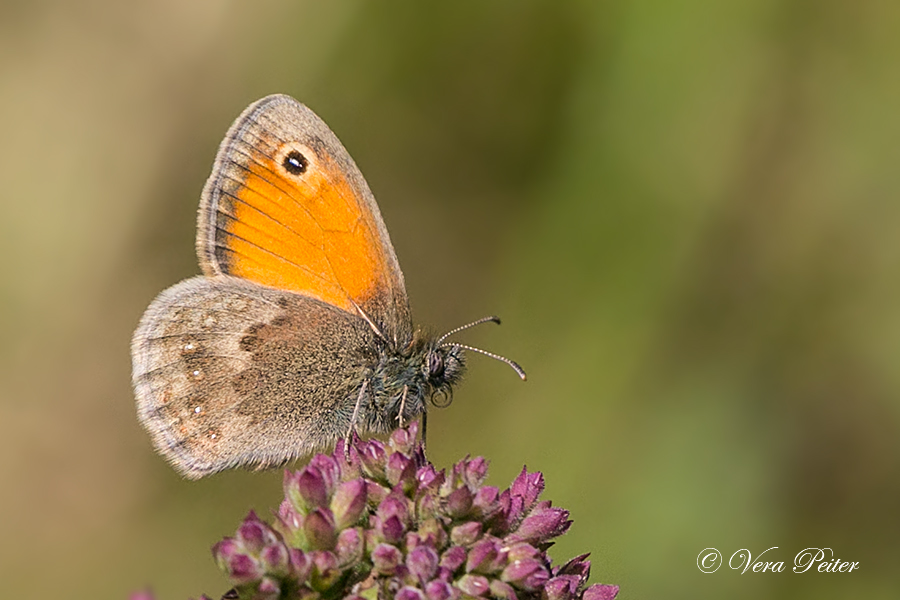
x: 687, y: 213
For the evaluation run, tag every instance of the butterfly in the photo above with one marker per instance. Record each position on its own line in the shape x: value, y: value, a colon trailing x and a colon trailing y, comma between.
x: 299, y: 331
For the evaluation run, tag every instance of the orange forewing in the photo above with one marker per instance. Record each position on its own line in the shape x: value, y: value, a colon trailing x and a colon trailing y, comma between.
x: 311, y: 236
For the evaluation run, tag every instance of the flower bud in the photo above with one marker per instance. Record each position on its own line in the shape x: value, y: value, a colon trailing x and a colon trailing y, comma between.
x: 240, y: 567
x: 385, y: 558
x: 453, y: 558
x: 402, y: 440
x: 349, y: 547
x: 521, y: 551
x: 289, y: 519
x: 312, y: 490
x: 255, y: 534
x: 348, y: 502
x: 394, y: 505
x: 401, y: 469
x: 409, y: 593
x: 528, y: 486
x: 275, y: 559
x: 429, y: 478
x: 535, y: 581
x: 376, y: 493
x: 499, y: 589
x: 390, y: 530
x: 600, y: 591
x: 438, y: 590
x: 301, y: 563
x: 475, y: 471
x: 325, y: 572
x: 543, y: 525
x: 459, y: 503
x: 518, y: 570
x: 268, y: 588
x: 473, y: 585
x: 466, y: 534
x: 579, y: 566
x: 562, y: 587
x: 481, y: 554
x: 486, y: 500
x: 372, y: 459
x: 319, y: 529
x: 422, y: 563
x: 433, y: 533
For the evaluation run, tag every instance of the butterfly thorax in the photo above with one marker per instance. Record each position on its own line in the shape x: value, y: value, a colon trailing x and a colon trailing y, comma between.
x: 406, y: 379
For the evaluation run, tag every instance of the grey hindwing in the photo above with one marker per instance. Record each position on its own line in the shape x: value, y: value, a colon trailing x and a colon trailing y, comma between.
x: 230, y: 373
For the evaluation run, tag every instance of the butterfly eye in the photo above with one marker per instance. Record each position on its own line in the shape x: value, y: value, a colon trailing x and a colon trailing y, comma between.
x: 295, y: 163
x: 435, y: 365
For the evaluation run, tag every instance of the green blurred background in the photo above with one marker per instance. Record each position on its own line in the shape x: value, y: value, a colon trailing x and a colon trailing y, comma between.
x: 687, y: 214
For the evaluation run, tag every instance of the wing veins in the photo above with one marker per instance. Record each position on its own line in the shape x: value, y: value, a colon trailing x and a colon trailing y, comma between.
x: 265, y: 214
x: 282, y: 258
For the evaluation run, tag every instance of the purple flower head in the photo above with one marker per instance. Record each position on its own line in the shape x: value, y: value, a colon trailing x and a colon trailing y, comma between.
x: 387, y: 519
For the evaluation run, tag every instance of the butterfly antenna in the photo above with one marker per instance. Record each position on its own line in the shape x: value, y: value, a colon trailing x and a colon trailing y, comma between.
x: 472, y: 324
x: 519, y: 370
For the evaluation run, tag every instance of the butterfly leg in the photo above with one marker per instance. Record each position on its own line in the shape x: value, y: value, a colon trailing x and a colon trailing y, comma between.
x: 402, y: 405
x: 352, y: 428
x: 424, y: 430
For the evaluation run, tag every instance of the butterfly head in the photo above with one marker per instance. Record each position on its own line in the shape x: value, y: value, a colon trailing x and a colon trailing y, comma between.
x: 443, y: 363
x: 442, y: 367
